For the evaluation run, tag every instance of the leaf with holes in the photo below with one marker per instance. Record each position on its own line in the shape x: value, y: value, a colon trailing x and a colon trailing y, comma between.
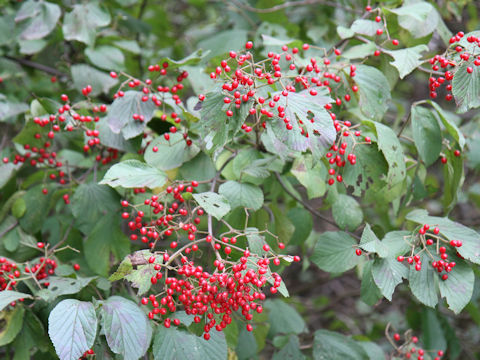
x: 134, y: 174
x: 242, y: 194
x: 213, y: 203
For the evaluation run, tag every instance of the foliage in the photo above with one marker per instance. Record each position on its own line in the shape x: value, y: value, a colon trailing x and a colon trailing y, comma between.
x: 244, y: 179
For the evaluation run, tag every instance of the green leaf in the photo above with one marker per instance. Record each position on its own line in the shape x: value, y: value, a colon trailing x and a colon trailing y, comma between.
x: 222, y: 42
x: 369, y: 291
x: 8, y: 296
x: 388, y: 273
x: 134, y: 174
x: 11, y: 322
x: 255, y: 241
x: 120, y: 114
x: 173, y: 344
x: 200, y: 168
x: 128, y: 45
x: 451, y: 127
x: 105, y: 239
x: 334, y: 252
x: 453, y: 174
x: 365, y: 27
x: 127, y: 329
x: 452, y: 230
x: 466, y: 87
x: 213, y: 203
x: 420, y: 19
x: 347, y: 212
x: 72, y: 327
x: 19, y: 208
x: 63, y: 286
x: 373, y: 351
x: 426, y: 134
x: 192, y: 59
x: 106, y: 57
x: 360, y: 51
x: 38, y: 206
x: 302, y: 220
x: 458, y: 288
x: 331, y: 345
x: 37, y: 19
x: 82, y: 22
x: 31, y: 336
x: 422, y: 283
x: 396, y: 243
x: 83, y: 75
x: 10, y: 109
x: 407, y: 60
x: 374, y: 91
x: 139, y: 277
x: 433, y: 335
x: 290, y: 351
x: 370, y: 242
x: 92, y: 202
x: 171, y: 153
x: 311, y: 175
x: 284, y: 318
x: 344, y: 32
x: 242, y: 194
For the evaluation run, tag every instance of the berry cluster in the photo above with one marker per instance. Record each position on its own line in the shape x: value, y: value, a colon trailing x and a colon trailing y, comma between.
x: 43, y: 269
x: 430, y: 242
x: 408, y: 349
x: 8, y: 273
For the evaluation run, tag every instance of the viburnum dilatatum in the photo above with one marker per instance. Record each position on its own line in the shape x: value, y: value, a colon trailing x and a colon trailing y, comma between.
x: 406, y: 346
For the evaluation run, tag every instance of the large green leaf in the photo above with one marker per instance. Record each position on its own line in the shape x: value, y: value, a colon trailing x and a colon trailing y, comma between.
x: 8, y: 296
x: 82, y: 22
x: 419, y: 18
x: 37, y: 19
x: 72, y: 327
x: 449, y: 124
x: 242, y: 194
x: 331, y: 345
x: 290, y: 351
x: 370, y: 242
x: 120, y: 114
x: 365, y: 27
x: 453, y: 174
x: 192, y: 59
x: 458, y: 288
x: 426, y: 134
x: 466, y: 87
x: 134, y: 174
x: 388, y: 273
x: 63, y: 286
x: 347, y: 212
x: 360, y: 51
x: 106, y: 57
x: 170, y: 153
x: 213, y: 203
x: 105, y: 239
x: 312, y: 176
x: 374, y: 91
x: 369, y: 291
x: 38, y: 207
x: 83, y: 75
x: 284, y: 318
x: 335, y: 252
x: 11, y: 322
x: 407, y: 60
x: 422, y: 283
x: 173, y: 344
x: 127, y: 329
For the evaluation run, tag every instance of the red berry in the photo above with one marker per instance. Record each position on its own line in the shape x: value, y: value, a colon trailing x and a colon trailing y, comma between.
x: 396, y: 337
x: 248, y: 45
x: 76, y: 267
x: 358, y: 252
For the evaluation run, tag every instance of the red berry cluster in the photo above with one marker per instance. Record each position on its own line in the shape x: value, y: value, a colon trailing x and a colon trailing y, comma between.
x: 425, y: 241
x: 450, y: 61
x: 8, y: 273
x: 43, y: 269
x: 409, y: 350
x: 86, y: 354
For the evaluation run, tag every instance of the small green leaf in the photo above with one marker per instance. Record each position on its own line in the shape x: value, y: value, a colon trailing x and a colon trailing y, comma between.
x: 369, y: 242
x: 106, y: 57
x: 331, y: 345
x: 127, y: 329
x: 37, y: 19
x: 420, y: 19
x: 82, y: 22
x: 11, y: 322
x: 426, y: 134
x: 242, y: 194
x: 422, y: 283
x: 72, y: 327
x: 192, y: 59
x: 369, y: 291
x: 466, y: 87
x: 407, y: 60
x: 134, y: 174
x: 360, y: 51
x: 290, y: 351
x: 458, y: 288
x: 63, y: 286
x: 374, y: 91
x: 312, y: 176
x: 19, y: 208
x: 83, y: 75
x: 388, y: 273
x: 334, y: 252
x: 284, y: 318
x: 213, y: 203
x: 8, y: 296
x: 347, y: 212
x: 365, y: 27
x: 449, y: 124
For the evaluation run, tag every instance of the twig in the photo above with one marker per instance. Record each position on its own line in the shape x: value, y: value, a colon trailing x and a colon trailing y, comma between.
x: 65, y: 236
x: 36, y: 65
x: 293, y: 4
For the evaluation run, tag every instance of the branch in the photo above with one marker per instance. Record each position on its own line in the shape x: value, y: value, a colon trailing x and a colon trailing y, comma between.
x: 292, y: 4
x: 35, y: 65
x: 308, y: 206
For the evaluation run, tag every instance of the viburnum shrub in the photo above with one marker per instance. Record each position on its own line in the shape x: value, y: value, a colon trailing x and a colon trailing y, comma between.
x: 212, y: 207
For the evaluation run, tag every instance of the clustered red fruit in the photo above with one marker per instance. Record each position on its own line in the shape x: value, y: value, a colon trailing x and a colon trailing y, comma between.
x: 9, y: 271
x: 449, y: 63
x: 429, y: 241
x: 408, y: 349
x: 43, y: 269
x: 211, y: 297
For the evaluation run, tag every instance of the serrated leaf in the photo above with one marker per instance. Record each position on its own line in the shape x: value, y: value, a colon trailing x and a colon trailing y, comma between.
x: 173, y: 344
x: 365, y: 27
x: 171, y: 153
x: 11, y: 323
x: 334, y: 252
x: 360, y: 51
x: 255, y: 241
x: 347, y: 212
x: 242, y: 194
x: 72, y: 327
x: 407, y: 60
x: 37, y: 19
x: 420, y: 19
x: 8, y: 296
x: 106, y: 57
x: 127, y: 329
x: 312, y: 176
x: 426, y: 134
x: 388, y: 273
x: 369, y: 291
x: 284, y: 318
x: 192, y: 59
x: 290, y: 351
x: 331, y: 345
x: 63, y: 286
x: 451, y: 127
x: 370, y: 242
x: 422, y: 283
x: 213, y: 203
x: 82, y: 22
x: 374, y: 92
x: 134, y: 174
x: 396, y: 243
x: 38, y: 206
x: 120, y: 114
x: 466, y: 87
